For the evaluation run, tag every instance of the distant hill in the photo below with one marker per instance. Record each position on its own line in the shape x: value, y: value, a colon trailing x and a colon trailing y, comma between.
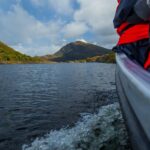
x: 107, y: 58
x: 72, y: 52
x: 79, y: 50
x: 9, y: 55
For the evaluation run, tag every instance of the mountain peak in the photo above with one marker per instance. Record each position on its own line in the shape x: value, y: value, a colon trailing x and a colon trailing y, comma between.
x: 79, y: 43
x: 80, y: 50
x: 82, y: 41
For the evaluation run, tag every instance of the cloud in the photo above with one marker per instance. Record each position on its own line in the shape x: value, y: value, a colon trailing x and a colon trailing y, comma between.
x: 98, y: 15
x: 75, y: 29
x: 37, y: 50
x: 24, y: 30
x: 62, y: 7
x: 18, y: 26
x: 38, y: 2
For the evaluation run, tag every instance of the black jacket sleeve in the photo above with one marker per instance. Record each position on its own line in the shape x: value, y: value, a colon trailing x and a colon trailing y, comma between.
x: 123, y: 11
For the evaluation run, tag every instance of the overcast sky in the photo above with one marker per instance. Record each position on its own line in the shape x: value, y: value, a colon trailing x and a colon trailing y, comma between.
x: 39, y: 27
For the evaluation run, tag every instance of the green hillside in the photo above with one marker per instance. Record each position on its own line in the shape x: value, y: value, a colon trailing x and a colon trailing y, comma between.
x: 10, y: 56
x: 107, y: 58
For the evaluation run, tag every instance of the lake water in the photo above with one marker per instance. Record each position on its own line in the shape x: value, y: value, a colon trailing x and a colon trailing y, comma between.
x: 35, y: 99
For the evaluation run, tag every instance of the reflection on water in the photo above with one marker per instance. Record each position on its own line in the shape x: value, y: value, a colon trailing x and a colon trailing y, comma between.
x: 37, y: 98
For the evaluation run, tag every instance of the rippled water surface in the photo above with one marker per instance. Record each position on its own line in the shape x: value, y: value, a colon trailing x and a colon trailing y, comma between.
x: 35, y: 99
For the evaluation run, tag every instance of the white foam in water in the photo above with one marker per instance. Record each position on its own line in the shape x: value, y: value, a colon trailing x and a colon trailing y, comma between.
x: 102, y: 130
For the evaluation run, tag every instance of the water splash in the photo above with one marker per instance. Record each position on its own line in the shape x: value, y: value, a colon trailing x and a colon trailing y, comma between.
x: 103, y: 130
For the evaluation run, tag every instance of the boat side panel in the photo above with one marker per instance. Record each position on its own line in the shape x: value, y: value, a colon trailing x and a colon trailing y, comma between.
x: 138, y: 139
x: 135, y: 103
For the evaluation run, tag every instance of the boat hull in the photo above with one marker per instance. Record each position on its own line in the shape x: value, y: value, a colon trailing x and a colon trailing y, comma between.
x: 133, y: 86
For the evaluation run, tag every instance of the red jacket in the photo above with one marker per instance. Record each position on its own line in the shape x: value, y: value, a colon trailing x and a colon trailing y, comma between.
x: 131, y: 33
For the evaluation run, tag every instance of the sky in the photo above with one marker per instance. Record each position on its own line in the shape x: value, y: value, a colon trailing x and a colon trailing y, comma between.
x: 41, y: 27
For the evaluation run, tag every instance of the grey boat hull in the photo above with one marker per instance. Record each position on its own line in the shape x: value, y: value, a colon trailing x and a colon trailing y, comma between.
x: 133, y: 86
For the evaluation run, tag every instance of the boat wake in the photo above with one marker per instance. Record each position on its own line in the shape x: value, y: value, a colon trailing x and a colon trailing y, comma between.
x: 103, y: 130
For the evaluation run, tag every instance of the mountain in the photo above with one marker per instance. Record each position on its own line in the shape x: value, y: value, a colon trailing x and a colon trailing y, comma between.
x: 73, y: 52
x: 79, y: 50
x: 9, y: 55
